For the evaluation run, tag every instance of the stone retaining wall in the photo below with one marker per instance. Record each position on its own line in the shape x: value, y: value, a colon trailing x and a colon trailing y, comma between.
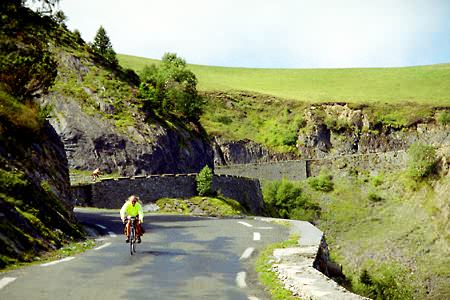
x: 301, y: 169
x: 111, y: 193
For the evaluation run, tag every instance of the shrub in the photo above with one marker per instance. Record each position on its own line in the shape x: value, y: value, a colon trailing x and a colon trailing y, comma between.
x: 387, y: 281
x: 204, y: 181
x: 377, y: 180
x: 421, y: 161
x: 284, y: 199
x: 374, y: 197
x: 322, y: 183
x: 444, y: 117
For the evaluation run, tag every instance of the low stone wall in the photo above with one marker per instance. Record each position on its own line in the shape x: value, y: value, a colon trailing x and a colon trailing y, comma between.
x: 111, y: 193
x: 290, y: 169
x: 344, y: 165
x: 301, y: 169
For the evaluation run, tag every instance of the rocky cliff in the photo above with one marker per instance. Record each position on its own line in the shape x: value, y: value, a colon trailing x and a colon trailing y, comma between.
x: 35, y: 199
x: 97, y: 115
x: 336, y: 129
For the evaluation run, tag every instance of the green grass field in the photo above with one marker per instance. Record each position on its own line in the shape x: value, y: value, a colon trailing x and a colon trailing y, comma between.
x: 428, y: 85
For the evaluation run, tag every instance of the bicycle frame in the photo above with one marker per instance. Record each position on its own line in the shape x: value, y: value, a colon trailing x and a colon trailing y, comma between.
x: 132, y: 235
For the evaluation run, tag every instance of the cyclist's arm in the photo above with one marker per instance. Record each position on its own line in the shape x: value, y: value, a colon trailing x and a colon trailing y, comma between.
x: 122, y: 211
x: 141, y: 213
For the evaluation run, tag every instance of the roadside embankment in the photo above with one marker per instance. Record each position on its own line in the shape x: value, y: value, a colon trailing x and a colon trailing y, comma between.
x: 298, y: 267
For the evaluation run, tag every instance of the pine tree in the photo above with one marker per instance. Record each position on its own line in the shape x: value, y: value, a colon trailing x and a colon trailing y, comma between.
x: 103, y: 47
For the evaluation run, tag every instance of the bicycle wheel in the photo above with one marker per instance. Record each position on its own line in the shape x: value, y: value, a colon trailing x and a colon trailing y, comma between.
x: 132, y: 240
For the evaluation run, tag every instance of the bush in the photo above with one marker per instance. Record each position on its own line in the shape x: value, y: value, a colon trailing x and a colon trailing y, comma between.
x: 387, y: 281
x: 421, y: 161
x: 171, y: 89
x: 284, y: 199
x: 204, y: 181
x: 374, y: 197
x: 322, y: 183
x: 444, y: 117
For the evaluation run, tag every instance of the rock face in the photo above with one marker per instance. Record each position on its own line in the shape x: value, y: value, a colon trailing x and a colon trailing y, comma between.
x: 244, y: 152
x: 35, y: 196
x: 344, y: 130
x: 92, y: 138
x: 335, y: 130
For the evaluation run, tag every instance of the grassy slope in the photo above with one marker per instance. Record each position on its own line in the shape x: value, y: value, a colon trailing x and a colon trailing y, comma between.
x: 422, y: 84
x: 405, y: 228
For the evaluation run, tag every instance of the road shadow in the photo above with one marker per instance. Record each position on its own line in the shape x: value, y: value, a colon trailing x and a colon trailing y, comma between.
x: 163, y: 253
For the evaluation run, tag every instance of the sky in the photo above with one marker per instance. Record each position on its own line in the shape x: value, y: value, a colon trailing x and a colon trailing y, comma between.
x: 272, y: 33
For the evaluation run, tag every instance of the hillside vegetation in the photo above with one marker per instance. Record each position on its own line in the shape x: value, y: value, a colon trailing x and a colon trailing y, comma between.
x: 421, y: 84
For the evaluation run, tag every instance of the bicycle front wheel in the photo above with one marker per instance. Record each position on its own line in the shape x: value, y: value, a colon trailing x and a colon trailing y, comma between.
x: 132, y: 240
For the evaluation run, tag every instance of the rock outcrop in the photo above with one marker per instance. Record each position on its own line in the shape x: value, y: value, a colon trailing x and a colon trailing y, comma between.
x: 35, y: 200
x: 87, y: 124
x: 334, y: 130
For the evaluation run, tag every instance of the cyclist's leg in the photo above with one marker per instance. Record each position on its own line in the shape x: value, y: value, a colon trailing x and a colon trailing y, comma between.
x: 128, y: 226
x: 138, y: 228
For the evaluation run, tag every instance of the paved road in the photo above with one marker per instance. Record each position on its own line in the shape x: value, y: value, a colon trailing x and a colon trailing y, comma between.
x: 181, y: 257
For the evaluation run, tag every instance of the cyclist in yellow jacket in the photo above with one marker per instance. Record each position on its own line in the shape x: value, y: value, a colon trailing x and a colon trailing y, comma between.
x: 132, y: 208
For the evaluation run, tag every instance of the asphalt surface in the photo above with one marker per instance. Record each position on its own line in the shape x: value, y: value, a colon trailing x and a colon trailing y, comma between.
x: 180, y: 257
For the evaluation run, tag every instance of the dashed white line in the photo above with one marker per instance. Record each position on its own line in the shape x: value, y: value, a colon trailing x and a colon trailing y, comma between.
x: 247, y: 253
x: 245, y: 224
x: 57, y: 261
x: 240, y: 280
x: 101, y: 226
x: 112, y: 234
x: 256, y: 236
x: 263, y: 228
x: 5, y: 281
x: 102, y: 246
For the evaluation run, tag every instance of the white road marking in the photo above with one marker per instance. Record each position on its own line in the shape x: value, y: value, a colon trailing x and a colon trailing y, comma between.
x: 245, y: 224
x: 247, y: 253
x: 112, y: 234
x: 57, y: 261
x: 256, y: 236
x: 252, y: 298
x: 240, y: 280
x: 102, y: 246
x: 263, y: 228
x: 101, y: 226
x: 5, y: 281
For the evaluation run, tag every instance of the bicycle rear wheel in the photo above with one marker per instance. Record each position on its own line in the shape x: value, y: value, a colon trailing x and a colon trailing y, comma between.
x: 132, y: 240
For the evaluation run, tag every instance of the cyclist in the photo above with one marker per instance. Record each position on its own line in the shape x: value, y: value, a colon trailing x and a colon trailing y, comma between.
x: 96, y: 174
x: 132, y: 208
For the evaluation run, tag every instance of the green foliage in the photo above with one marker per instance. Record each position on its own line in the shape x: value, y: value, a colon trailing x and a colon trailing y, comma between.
x: 377, y: 180
x: 204, y: 181
x: 322, y: 183
x: 284, y: 199
x: 268, y: 277
x: 421, y: 161
x: 27, y: 67
x: 170, y: 89
x: 374, y: 197
x: 444, y: 117
x: 387, y: 281
x: 11, y: 181
x: 211, y: 206
x: 282, y: 131
x: 103, y: 47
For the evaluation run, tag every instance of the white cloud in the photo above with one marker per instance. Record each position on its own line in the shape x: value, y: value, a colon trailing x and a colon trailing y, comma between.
x: 283, y: 33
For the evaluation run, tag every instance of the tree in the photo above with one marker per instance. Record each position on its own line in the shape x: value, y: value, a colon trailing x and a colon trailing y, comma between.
x: 103, y: 47
x: 204, y: 181
x: 171, y: 88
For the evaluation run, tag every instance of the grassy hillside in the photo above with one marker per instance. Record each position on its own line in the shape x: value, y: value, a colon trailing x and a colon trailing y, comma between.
x: 422, y: 84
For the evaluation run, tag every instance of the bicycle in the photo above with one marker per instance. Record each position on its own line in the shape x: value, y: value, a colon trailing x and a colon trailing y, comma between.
x: 133, y: 237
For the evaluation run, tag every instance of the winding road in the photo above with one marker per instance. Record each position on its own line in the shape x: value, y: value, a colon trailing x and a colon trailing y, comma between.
x: 180, y: 257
